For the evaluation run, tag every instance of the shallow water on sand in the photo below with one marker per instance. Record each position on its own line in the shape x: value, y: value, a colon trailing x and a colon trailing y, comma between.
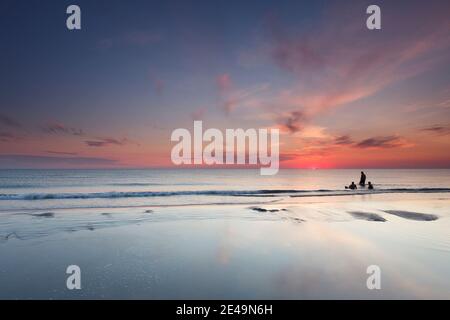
x: 294, y: 248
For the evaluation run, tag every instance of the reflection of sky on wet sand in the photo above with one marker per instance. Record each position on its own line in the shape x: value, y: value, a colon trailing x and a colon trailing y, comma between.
x: 235, y: 252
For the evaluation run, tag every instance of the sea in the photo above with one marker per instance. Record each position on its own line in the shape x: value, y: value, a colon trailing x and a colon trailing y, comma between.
x: 62, y: 189
x: 224, y: 234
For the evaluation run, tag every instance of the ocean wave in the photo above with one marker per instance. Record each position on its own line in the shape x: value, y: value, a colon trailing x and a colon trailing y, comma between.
x: 236, y: 193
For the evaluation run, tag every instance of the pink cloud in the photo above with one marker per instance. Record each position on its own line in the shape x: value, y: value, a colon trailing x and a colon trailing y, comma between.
x: 382, y: 142
x: 223, y: 82
x: 230, y: 96
x: 293, y: 121
x: 198, y: 114
x: 336, y: 66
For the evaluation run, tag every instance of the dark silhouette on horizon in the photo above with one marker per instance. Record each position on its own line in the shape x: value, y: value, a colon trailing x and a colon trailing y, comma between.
x: 362, y: 181
x: 352, y: 186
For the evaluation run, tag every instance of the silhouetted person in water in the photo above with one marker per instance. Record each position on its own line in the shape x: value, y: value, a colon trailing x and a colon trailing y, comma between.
x: 362, y: 181
x: 370, y: 185
x: 353, y: 186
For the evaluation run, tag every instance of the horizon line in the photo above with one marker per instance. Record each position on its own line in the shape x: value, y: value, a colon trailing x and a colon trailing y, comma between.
x: 229, y: 168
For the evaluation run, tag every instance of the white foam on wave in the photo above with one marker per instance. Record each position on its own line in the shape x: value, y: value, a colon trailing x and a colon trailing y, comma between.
x: 239, y: 193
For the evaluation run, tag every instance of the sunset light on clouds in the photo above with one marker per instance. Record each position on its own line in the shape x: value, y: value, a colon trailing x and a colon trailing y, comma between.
x: 110, y: 95
x: 225, y: 157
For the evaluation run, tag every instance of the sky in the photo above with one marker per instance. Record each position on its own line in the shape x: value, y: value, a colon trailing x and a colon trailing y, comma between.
x: 110, y: 95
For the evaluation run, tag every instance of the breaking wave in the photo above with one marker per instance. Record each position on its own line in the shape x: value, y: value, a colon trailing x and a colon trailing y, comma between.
x: 234, y: 193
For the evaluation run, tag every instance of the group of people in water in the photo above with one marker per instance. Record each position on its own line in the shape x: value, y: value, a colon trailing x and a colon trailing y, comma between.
x: 362, y: 183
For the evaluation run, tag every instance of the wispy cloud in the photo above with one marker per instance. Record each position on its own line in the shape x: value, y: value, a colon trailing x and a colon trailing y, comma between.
x: 243, y: 97
x: 437, y: 129
x: 62, y: 153
x: 231, y: 97
x: 103, y: 142
x: 60, y: 128
x: 325, y: 146
x: 288, y: 157
x: 8, y: 136
x: 381, y: 142
x: 337, y: 66
x: 9, y: 121
x: 293, y: 121
x: 343, y: 140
